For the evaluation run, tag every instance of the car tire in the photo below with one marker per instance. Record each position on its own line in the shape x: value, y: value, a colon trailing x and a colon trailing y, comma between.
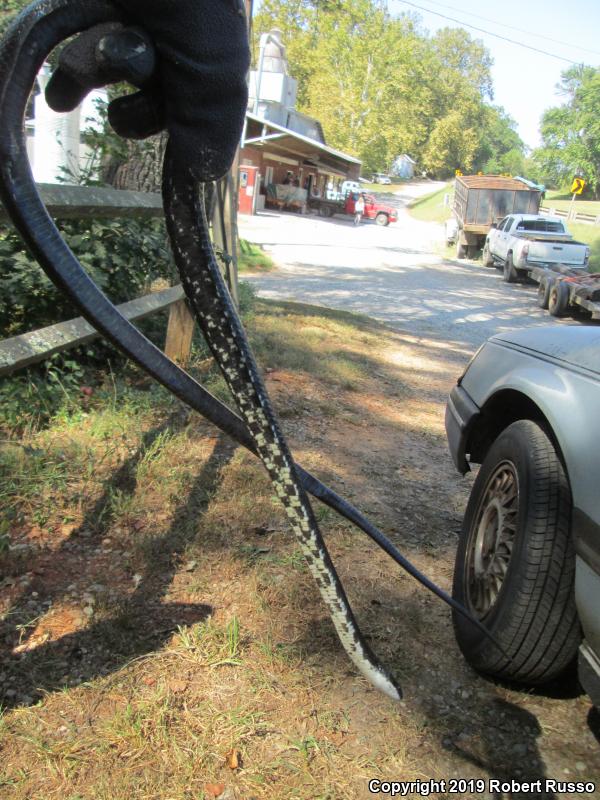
x: 515, y: 565
x: 325, y: 211
x: 543, y: 292
x: 488, y: 261
x: 382, y: 219
x: 509, y: 272
x: 461, y: 250
x: 558, y: 299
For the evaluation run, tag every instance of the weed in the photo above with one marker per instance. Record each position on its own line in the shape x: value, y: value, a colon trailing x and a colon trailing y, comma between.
x: 211, y: 645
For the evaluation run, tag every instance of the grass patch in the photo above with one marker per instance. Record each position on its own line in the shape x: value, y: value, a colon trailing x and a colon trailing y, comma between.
x: 590, y: 234
x: 160, y: 619
x: 562, y: 202
x: 381, y: 188
x: 431, y: 208
x: 252, y: 258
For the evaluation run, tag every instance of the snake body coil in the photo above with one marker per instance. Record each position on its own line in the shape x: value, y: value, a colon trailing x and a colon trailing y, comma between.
x: 204, y: 286
x: 36, y: 32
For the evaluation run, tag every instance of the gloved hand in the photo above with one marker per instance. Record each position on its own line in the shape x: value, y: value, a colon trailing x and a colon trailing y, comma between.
x: 188, y: 57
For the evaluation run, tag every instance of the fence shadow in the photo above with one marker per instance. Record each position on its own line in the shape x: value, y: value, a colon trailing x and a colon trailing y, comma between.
x: 137, y: 623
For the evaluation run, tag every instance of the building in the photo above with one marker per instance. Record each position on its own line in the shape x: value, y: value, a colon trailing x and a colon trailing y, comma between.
x: 404, y: 167
x: 54, y: 146
x: 280, y: 144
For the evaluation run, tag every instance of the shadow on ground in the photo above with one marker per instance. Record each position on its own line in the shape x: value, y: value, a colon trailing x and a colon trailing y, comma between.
x: 136, y: 623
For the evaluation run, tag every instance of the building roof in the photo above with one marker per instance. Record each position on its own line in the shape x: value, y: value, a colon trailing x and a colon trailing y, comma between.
x: 283, y: 141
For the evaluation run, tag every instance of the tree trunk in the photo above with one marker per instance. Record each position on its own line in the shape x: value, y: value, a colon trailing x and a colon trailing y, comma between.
x: 142, y: 172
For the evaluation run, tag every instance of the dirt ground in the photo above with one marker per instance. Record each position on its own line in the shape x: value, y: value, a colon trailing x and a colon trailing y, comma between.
x: 167, y: 641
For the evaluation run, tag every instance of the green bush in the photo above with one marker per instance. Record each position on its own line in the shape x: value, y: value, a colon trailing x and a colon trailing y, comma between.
x: 123, y: 257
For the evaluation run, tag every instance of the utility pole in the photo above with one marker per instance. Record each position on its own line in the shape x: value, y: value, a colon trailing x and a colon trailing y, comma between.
x: 224, y: 218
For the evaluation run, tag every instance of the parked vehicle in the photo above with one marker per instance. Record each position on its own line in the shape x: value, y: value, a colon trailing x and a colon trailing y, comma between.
x: 561, y: 289
x: 344, y: 190
x: 380, y: 212
x: 481, y: 200
x: 350, y: 186
x: 528, y: 559
x: 380, y: 177
x: 451, y: 230
x: 522, y: 241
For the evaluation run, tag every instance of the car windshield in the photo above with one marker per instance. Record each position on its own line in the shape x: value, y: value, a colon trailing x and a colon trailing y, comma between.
x: 541, y: 226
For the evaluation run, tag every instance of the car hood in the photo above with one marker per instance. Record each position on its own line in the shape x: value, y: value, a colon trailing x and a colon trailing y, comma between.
x: 574, y: 345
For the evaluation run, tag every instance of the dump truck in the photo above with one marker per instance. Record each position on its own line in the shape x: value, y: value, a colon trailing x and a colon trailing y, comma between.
x: 481, y: 200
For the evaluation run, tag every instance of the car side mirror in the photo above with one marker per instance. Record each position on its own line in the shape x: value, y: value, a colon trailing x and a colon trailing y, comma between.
x: 494, y: 224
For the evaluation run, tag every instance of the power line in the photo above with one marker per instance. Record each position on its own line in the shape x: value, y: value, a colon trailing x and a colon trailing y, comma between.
x: 489, y: 33
x: 513, y: 28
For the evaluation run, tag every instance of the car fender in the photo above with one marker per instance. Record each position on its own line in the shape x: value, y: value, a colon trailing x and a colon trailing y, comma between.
x: 556, y: 394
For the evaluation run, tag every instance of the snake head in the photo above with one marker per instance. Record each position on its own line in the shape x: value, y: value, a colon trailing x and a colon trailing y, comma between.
x: 188, y: 58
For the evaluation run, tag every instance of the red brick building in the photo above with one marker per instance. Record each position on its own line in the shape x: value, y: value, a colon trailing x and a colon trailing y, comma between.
x: 280, y: 144
x: 281, y: 153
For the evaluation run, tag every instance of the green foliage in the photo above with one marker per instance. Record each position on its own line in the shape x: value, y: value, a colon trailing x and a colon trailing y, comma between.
x: 253, y: 257
x: 9, y: 9
x: 571, y: 132
x: 31, y: 398
x: 381, y: 86
x: 123, y: 256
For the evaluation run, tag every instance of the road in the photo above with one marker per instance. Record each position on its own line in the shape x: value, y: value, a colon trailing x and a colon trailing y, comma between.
x: 395, y: 274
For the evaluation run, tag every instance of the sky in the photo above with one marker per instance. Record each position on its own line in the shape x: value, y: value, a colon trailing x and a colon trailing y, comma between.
x: 524, y: 81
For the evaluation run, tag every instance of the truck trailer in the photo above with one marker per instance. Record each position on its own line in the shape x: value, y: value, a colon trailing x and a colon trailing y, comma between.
x: 480, y: 200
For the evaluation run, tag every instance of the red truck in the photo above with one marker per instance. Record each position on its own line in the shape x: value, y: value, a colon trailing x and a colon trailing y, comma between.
x: 381, y: 213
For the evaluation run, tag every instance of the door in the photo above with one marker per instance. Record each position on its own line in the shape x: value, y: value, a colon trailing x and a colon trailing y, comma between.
x: 501, y: 249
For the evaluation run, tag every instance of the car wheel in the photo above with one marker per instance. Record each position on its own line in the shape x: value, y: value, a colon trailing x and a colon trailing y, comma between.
x: 515, y: 565
x: 488, y: 261
x: 382, y: 219
x: 510, y: 274
x: 325, y: 211
x: 543, y: 292
x: 461, y: 250
x: 558, y: 299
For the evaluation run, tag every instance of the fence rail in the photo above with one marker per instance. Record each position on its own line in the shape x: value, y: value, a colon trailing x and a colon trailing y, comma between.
x: 84, y: 202
x: 576, y: 216
x: 78, y: 202
x: 22, y: 351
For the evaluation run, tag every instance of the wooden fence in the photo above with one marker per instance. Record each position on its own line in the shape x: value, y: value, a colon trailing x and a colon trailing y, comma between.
x: 72, y: 202
x: 576, y: 216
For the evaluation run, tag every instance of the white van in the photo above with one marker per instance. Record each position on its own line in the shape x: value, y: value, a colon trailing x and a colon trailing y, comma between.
x: 349, y: 186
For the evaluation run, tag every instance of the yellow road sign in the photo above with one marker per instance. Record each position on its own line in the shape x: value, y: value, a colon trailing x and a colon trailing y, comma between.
x: 578, y: 186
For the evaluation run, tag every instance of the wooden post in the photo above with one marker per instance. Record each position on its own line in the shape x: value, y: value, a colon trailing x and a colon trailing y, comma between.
x: 224, y: 227
x: 180, y: 330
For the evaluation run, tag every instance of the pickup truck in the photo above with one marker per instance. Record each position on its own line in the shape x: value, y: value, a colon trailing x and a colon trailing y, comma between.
x: 522, y: 241
x: 381, y: 213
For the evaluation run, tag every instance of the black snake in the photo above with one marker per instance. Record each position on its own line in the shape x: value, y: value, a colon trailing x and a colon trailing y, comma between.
x: 34, y: 34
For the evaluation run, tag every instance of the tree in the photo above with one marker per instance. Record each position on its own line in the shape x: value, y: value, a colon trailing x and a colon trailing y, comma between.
x: 571, y: 132
x: 381, y: 86
x: 501, y: 149
x: 9, y: 10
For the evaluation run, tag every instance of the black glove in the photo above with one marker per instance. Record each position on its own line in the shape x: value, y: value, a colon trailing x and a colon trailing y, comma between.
x: 188, y: 57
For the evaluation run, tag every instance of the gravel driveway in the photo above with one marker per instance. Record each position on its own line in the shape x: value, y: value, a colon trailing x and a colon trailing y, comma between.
x: 396, y: 274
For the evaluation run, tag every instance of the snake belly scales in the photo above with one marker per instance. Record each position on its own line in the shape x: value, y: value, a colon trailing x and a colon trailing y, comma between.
x: 35, y: 33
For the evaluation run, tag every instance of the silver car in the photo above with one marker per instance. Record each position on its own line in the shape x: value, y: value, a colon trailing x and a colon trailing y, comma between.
x: 528, y: 561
